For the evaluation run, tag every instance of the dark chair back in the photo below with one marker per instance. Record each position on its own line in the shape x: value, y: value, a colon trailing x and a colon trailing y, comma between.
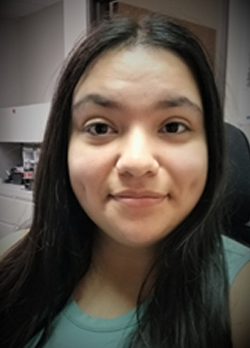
x: 238, y: 185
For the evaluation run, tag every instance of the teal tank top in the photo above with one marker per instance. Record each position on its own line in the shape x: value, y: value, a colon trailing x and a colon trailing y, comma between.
x: 73, y: 328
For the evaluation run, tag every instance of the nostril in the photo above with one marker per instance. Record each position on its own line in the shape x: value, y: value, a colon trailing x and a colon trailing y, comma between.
x: 137, y: 167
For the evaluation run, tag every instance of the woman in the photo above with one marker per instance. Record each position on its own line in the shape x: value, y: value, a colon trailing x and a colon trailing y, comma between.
x: 125, y: 248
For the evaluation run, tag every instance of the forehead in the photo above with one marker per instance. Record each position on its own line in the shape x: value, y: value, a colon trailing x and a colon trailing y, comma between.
x: 138, y: 72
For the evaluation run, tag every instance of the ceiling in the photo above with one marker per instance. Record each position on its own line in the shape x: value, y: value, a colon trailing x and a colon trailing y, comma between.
x: 15, y: 9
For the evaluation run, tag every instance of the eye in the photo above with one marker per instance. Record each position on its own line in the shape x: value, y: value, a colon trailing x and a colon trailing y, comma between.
x: 174, y: 127
x: 98, y: 128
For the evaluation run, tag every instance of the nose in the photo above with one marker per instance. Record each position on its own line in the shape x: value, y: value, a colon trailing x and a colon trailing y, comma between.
x: 136, y: 156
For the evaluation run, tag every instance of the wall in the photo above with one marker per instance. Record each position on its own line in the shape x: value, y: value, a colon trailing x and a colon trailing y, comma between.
x: 237, y: 11
x: 200, y: 12
x: 76, y: 21
x: 10, y: 91
x: 42, y: 52
x: 32, y: 51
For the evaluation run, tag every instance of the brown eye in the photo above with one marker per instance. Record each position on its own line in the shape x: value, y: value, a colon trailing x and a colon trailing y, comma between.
x: 101, y: 128
x: 174, y: 127
x: 98, y: 129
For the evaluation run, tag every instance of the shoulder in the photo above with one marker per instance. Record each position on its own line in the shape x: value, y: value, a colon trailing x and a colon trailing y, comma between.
x: 237, y: 256
x: 238, y: 265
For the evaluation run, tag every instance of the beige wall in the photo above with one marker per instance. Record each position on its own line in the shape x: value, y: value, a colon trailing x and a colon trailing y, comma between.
x: 32, y: 51
x: 9, y: 63
x: 196, y: 11
x: 42, y: 52
x: 237, y: 11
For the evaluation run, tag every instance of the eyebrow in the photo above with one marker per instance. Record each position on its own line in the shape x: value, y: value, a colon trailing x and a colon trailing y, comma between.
x: 99, y: 100
x: 170, y: 102
x: 179, y: 102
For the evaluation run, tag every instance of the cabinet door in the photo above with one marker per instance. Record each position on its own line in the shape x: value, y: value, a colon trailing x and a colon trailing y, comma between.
x: 10, y: 239
x: 23, y: 124
x: 5, y: 229
x: 15, y: 212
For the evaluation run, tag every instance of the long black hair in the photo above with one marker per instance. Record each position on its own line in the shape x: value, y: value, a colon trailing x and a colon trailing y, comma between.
x: 189, y: 300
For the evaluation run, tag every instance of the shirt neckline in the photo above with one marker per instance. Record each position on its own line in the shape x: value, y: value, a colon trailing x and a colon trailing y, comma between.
x: 74, y: 313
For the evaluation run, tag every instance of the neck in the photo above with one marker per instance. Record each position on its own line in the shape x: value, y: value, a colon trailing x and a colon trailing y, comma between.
x: 117, y: 272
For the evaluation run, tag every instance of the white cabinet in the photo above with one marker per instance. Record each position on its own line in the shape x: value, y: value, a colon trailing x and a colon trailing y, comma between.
x: 18, y: 125
x: 16, y: 208
x: 23, y: 124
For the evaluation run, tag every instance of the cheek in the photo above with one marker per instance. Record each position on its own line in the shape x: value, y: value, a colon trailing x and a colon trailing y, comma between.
x: 86, y: 170
x: 198, y: 171
x: 194, y: 166
x: 79, y: 167
x: 189, y: 168
x: 81, y: 170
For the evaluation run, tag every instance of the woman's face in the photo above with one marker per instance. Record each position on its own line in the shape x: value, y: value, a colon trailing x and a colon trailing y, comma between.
x: 137, y: 153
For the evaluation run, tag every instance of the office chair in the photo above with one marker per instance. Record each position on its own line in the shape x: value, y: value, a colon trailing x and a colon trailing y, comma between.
x: 238, y: 183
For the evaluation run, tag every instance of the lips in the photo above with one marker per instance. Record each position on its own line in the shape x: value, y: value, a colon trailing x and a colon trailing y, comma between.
x: 138, y: 199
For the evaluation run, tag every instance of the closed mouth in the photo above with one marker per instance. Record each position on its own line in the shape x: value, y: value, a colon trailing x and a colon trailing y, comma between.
x: 139, y: 198
x: 139, y: 194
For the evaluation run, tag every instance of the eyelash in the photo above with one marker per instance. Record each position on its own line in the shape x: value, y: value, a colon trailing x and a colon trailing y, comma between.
x: 174, y: 125
x: 90, y: 128
x: 174, y: 128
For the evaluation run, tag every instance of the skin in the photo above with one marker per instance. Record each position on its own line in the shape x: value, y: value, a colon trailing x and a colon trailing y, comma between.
x: 137, y: 162
x: 138, y: 180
